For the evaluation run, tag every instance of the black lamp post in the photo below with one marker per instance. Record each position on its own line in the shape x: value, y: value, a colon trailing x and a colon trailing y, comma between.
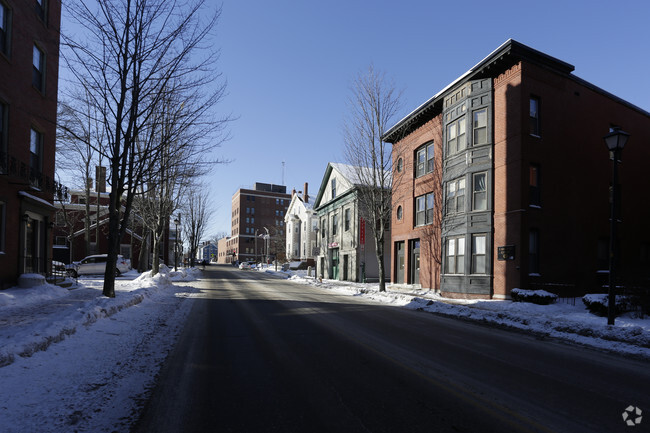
x: 615, y: 141
x: 177, y: 221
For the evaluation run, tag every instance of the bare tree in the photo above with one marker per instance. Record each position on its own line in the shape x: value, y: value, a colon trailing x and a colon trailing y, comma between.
x: 195, y: 219
x: 136, y: 49
x: 373, y: 105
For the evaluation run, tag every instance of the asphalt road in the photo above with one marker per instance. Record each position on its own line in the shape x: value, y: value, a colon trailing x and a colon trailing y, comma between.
x: 260, y: 354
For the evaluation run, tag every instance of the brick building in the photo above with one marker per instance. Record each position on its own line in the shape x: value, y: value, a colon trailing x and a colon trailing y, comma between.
x: 254, y: 211
x: 502, y: 181
x: 29, y: 65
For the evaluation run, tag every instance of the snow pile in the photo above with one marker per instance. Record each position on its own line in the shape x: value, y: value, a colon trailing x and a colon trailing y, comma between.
x: 18, y: 296
x: 107, y: 355
x: 573, y: 322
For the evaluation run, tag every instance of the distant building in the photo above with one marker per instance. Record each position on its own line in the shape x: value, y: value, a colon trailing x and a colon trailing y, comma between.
x: 502, y: 181
x: 208, y: 252
x: 256, y: 213
x: 223, y: 256
x: 345, y: 249
x: 70, y: 231
x: 29, y: 67
x: 301, y: 223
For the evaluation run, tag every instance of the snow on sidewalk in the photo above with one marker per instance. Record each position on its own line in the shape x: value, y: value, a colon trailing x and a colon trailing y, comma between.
x: 105, y: 358
x: 630, y: 335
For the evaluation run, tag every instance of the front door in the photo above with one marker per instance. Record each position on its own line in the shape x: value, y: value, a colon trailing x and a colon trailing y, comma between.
x: 415, y: 261
x: 399, y: 262
x: 334, y: 274
x: 33, y: 242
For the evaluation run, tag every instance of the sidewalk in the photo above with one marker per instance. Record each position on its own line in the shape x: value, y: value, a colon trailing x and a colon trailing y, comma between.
x: 32, y: 319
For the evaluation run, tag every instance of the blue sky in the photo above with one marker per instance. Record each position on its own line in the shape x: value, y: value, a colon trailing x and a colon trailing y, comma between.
x: 289, y: 65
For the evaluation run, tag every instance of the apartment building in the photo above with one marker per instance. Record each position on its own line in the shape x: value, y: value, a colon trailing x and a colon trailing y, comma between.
x: 257, y: 223
x: 503, y: 180
x: 29, y: 65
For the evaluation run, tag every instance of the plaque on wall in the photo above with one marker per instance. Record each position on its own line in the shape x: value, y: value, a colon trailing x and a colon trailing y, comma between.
x: 506, y: 252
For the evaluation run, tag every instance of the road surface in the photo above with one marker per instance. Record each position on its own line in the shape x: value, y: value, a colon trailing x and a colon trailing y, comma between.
x: 261, y: 354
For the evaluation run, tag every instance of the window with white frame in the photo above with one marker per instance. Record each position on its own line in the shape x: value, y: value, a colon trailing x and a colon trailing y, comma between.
x: 424, y: 160
x: 347, y: 220
x: 455, y: 255
x: 335, y: 224
x: 455, y: 196
x: 456, y: 136
x: 479, y: 191
x: 424, y: 209
x: 479, y: 127
x: 333, y: 185
x: 479, y: 254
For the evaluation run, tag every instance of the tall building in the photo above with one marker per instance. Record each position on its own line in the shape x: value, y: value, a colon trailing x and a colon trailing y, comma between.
x: 257, y: 229
x: 29, y: 65
x: 503, y: 181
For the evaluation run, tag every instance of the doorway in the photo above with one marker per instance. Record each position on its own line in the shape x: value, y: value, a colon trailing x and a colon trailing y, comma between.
x: 335, y: 264
x: 415, y: 261
x: 399, y: 262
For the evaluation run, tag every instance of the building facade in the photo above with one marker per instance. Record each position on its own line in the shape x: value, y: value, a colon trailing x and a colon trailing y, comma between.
x: 509, y: 161
x: 29, y: 65
x: 301, y: 224
x: 257, y: 225
x: 208, y: 252
x: 344, y: 252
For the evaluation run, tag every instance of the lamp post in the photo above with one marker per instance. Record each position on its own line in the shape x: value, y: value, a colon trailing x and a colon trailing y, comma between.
x: 177, y: 221
x: 615, y: 141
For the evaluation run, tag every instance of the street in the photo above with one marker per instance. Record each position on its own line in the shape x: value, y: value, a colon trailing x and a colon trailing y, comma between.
x: 260, y: 354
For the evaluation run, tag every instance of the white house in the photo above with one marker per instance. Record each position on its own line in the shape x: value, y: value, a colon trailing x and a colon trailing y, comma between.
x: 301, y: 224
x: 346, y: 250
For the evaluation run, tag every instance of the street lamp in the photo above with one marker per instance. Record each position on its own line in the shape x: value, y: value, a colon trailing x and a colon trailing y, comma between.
x: 615, y: 141
x: 177, y: 221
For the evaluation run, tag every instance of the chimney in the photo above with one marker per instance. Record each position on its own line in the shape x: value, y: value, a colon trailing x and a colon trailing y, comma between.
x: 293, y: 192
x: 306, y: 196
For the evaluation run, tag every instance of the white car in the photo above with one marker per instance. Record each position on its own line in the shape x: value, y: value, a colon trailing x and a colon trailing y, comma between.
x: 244, y: 265
x: 96, y: 265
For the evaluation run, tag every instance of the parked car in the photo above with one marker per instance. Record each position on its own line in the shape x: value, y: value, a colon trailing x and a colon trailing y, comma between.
x: 96, y: 265
x: 244, y: 266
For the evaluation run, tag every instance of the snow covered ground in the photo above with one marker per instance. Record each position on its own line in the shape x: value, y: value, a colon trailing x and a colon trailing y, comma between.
x: 76, y: 361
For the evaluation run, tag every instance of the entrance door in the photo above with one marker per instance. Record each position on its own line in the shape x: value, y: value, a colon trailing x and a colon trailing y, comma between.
x: 346, y: 260
x: 334, y: 274
x: 399, y: 262
x: 415, y: 261
x: 33, y: 254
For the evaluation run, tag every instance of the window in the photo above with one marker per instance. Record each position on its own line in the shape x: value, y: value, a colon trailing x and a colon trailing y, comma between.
x: 335, y: 224
x: 480, y: 127
x: 399, y: 213
x: 347, y: 220
x: 3, y: 138
x: 38, y: 71
x: 4, y: 29
x: 534, y: 116
x: 479, y: 249
x: 40, y: 8
x: 424, y: 161
x: 535, y: 195
x: 400, y: 165
x: 455, y: 256
x: 35, y: 156
x: 333, y: 188
x: 479, y: 191
x: 533, y: 252
x: 3, y: 208
x: 424, y: 209
x: 456, y: 136
x: 248, y: 210
x: 456, y: 196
